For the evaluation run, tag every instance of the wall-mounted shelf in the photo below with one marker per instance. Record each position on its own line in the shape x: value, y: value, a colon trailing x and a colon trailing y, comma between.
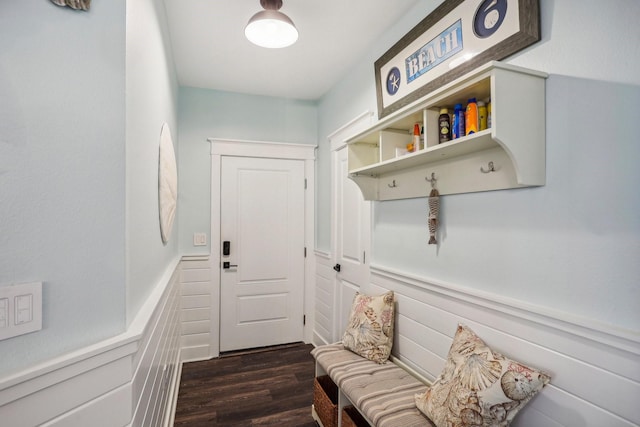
x: 514, y: 145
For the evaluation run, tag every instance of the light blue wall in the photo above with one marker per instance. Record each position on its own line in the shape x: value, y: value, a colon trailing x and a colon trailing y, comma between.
x: 62, y: 171
x: 351, y: 96
x: 83, y: 97
x: 206, y: 114
x: 152, y: 98
x: 571, y: 246
x: 78, y: 169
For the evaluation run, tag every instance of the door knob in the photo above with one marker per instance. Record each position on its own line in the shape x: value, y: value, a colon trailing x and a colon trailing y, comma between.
x: 337, y: 268
x: 228, y: 265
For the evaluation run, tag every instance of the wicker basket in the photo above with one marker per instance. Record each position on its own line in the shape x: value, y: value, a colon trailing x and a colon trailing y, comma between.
x: 352, y: 418
x: 325, y: 400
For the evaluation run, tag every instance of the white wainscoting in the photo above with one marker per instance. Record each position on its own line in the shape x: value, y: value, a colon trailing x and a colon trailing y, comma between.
x: 195, y: 290
x: 128, y: 380
x: 333, y: 299
x: 595, y: 370
x: 325, y: 295
x: 157, y: 361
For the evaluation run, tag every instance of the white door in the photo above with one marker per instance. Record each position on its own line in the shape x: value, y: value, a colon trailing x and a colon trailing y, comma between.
x: 262, y: 218
x: 352, y: 216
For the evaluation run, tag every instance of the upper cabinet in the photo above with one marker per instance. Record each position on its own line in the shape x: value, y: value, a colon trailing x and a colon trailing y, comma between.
x: 509, y: 154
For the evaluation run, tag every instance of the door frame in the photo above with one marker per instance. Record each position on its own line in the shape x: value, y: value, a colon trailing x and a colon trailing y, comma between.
x: 221, y: 147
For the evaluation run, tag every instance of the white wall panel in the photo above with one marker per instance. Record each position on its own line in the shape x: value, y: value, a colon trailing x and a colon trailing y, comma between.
x: 69, y: 393
x: 594, y: 371
x: 156, y: 374
x: 196, y: 301
x: 100, y: 411
x: 194, y: 271
x: 324, y: 300
x: 195, y: 290
x: 195, y: 314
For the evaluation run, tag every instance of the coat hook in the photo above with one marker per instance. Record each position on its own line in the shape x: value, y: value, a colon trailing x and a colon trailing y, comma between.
x: 393, y: 184
x: 491, y: 168
x: 432, y: 180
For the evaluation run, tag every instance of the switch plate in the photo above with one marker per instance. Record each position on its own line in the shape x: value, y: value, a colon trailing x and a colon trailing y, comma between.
x: 4, y: 312
x: 23, y: 308
x: 199, y: 239
x: 20, y: 309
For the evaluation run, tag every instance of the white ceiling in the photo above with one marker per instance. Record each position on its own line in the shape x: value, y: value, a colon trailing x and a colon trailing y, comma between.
x: 210, y: 50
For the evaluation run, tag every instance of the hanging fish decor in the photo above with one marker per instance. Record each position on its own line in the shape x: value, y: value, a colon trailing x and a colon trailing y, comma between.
x: 434, y: 208
x: 74, y: 4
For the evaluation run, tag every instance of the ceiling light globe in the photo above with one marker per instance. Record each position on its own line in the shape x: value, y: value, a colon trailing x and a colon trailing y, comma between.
x: 271, y: 29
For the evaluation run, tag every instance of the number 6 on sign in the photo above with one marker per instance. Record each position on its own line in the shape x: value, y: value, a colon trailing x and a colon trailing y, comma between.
x: 489, y: 17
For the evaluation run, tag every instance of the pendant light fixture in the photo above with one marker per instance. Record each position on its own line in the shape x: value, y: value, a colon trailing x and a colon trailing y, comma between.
x: 270, y: 27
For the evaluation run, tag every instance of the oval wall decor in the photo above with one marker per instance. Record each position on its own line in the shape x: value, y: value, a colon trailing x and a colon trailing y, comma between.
x: 167, y: 183
x: 74, y: 4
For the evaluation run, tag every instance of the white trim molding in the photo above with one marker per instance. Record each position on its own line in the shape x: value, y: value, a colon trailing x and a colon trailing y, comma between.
x: 358, y: 124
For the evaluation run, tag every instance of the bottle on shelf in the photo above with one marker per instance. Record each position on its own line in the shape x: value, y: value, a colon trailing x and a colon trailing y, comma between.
x: 482, y: 115
x: 471, y: 117
x: 458, y: 128
x: 488, y: 113
x: 444, y: 125
x: 416, y: 137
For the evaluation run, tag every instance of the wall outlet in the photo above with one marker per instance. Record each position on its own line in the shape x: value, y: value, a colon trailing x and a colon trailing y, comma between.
x: 20, y: 309
x: 199, y: 239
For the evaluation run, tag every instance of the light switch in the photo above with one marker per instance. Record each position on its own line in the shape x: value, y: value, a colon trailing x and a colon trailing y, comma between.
x: 24, y: 308
x: 20, y: 309
x: 4, y: 312
x: 199, y: 239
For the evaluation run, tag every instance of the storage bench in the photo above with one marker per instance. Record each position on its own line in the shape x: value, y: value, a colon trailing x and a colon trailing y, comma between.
x: 382, y: 393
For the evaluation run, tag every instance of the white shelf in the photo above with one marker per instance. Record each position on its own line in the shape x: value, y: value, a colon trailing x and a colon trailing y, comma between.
x: 515, y: 143
x: 469, y: 144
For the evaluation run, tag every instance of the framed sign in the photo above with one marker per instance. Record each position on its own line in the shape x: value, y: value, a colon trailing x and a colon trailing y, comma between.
x: 458, y: 36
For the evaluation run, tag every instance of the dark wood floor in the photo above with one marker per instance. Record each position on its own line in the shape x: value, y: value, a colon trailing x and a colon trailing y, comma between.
x: 266, y: 387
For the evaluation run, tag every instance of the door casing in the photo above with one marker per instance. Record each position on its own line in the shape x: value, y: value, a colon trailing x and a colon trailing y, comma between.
x: 274, y: 150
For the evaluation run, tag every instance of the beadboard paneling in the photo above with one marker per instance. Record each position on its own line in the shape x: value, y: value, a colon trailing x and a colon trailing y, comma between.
x: 324, y: 300
x: 195, y: 290
x: 156, y: 373
x: 594, y: 371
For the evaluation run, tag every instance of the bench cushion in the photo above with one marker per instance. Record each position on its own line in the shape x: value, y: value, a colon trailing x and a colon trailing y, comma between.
x: 383, y: 393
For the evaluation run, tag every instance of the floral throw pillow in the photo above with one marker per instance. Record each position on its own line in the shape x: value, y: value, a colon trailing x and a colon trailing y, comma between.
x: 478, y: 387
x: 370, y: 329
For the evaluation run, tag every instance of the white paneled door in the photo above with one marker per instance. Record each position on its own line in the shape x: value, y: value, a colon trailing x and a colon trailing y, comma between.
x: 262, y: 275
x: 352, y: 224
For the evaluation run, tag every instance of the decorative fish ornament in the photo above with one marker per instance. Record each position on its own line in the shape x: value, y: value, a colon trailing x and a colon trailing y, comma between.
x: 74, y: 4
x: 434, y: 208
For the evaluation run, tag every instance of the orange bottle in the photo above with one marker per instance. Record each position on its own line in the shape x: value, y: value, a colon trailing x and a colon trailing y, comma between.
x: 471, y: 117
x: 416, y: 137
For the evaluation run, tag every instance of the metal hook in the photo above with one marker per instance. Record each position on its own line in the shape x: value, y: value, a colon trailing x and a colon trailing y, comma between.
x: 393, y: 184
x: 432, y: 180
x: 491, y: 168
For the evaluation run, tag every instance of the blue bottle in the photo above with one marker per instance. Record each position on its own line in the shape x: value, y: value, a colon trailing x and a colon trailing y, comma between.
x: 458, y: 128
